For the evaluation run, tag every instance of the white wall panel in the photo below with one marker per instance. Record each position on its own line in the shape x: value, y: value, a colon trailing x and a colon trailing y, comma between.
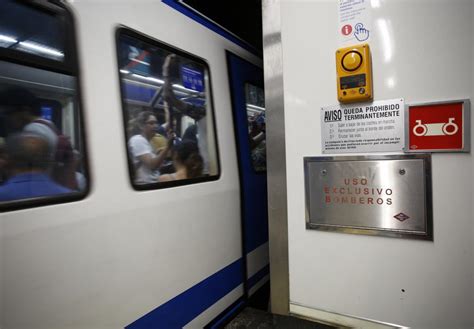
x: 414, y: 283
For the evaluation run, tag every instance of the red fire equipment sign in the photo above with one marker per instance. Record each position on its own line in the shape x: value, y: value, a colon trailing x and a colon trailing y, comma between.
x: 438, y: 127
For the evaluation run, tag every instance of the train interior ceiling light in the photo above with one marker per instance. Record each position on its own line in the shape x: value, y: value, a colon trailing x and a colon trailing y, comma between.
x: 40, y: 35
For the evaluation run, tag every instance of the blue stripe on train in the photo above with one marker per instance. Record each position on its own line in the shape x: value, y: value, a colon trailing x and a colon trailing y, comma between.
x: 185, y: 307
x: 253, y: 280
x: 182, y: 309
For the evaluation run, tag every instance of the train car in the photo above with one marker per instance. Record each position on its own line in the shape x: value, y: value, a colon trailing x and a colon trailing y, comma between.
x: 131, y: 134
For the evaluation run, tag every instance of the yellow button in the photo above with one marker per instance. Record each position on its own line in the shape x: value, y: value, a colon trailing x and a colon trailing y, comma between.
x: 351, y: 61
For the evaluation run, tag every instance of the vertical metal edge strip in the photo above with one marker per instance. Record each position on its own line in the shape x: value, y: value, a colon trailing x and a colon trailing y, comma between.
x: 276, y: 157
x: 467, y: 125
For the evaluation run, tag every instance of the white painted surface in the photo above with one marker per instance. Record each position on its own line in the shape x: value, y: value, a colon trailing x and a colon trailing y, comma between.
x: 257, y: 259
x: 421, y: 51
x: 108, y: 260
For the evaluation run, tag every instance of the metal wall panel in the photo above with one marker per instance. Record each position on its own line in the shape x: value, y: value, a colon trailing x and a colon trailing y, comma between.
x: 276, y: 158
x: 421, y: 284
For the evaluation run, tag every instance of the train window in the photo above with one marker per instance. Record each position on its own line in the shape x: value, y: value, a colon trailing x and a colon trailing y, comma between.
x: 168, y: 113
x: 42, y: 152
x: 39, y: 32
x: 255, y: 103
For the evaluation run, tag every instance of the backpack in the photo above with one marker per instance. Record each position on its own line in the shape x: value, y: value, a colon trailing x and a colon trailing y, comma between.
x: 63, y: 170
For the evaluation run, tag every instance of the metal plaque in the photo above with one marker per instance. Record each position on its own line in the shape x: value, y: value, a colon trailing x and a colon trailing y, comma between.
x: 374, y: 195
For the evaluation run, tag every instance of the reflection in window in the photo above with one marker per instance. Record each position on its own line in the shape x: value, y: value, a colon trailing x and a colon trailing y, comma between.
x: 255, y: 103
x: 40, y: 153
x: 168, y: 113
x: 41, y: 146
x: 31, y: 30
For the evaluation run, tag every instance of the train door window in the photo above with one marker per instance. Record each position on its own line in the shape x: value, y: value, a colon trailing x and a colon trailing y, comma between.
x: 41, y: 35
x: 168, y: 113
x: 255, y: 104
x: 42, y: 150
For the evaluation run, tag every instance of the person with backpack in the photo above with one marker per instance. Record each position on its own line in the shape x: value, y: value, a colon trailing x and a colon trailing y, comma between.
x: 23, y: 111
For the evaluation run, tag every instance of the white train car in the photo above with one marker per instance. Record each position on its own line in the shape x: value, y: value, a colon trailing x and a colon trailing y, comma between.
x: 113, y: 250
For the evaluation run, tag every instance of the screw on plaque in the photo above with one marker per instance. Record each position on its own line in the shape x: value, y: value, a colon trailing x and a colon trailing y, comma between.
x: 402, y: 171
x: 324, y: 172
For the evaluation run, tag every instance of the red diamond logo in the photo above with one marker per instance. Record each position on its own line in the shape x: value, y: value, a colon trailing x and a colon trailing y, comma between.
x: 401, y: 217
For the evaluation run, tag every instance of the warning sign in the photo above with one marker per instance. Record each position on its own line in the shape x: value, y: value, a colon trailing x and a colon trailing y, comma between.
x: 370, y: 127
x: 437, y: 127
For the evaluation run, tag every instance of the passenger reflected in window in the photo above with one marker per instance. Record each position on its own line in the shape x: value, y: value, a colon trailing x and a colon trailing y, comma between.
x: 257, y: 141
x: 23, y: 112
x: 146, y: 161
x: 158, y: 142
x: 174, y: 87
x: 22, y: 109
x: 180, y: 107
x: 193, y: 111
x: 187, y: 161
x: 29, y: 161
x: 255, y: 104
x: 81, y: 180
x: 190, y: 134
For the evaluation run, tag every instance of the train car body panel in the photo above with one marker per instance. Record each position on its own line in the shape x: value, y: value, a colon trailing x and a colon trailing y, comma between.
x: 249, y: 119
x: 112, y: 259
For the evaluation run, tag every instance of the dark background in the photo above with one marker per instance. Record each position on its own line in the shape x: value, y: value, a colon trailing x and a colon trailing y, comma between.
x: 241, y: 17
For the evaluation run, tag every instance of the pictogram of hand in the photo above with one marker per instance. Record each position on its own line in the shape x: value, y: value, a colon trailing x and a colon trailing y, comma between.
x: 361, y: 33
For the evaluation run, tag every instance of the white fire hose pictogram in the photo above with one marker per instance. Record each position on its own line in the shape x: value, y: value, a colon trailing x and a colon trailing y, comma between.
x: 435, y: 129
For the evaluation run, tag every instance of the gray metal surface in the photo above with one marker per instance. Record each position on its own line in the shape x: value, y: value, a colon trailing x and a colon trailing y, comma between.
x: 384, y: 195
x: 251, y: 318
x: 276, y: 158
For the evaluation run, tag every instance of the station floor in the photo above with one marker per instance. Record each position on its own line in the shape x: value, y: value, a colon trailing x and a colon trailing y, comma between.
x: 252, y: 318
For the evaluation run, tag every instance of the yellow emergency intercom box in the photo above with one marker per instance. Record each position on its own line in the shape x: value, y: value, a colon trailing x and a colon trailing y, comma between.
x: 354, y: 74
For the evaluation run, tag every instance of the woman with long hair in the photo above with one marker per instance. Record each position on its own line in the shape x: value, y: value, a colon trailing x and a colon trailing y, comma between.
x: 187, y: 161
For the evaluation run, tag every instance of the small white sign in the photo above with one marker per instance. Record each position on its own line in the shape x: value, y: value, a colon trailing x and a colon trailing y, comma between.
x: 368, y: 127
x: 354, y: 22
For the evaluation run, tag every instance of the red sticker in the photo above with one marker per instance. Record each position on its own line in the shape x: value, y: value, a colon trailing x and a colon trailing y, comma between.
x: 436, y: 127
x: 346, y: 29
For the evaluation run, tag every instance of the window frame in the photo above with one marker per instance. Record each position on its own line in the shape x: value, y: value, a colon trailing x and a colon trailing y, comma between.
x: 69, y: 67
x: 123, y: 30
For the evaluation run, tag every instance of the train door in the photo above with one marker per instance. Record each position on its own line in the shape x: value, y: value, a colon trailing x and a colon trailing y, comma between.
x: 248, y: 105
